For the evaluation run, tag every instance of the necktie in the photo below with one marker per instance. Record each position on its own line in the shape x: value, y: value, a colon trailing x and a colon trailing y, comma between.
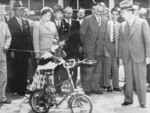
x: 20, y: 22
x: 69, y: 22
x: 99, y: 21
x: 59, y: 24
x: 69, y: 25
x: 114, y: 32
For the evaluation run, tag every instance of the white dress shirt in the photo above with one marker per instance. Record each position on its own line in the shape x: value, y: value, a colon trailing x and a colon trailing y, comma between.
x: 98, y: 20
x: 68, y: 21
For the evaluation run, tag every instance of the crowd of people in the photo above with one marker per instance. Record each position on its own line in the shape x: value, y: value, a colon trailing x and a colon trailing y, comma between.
x: 111, y: 38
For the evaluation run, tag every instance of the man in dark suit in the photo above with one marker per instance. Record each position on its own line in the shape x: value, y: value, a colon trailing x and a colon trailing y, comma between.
x: 94, y: 36
x: 62, y: 29
x: 73, y: 43
x: 134, y: 50
x: 20, y: 31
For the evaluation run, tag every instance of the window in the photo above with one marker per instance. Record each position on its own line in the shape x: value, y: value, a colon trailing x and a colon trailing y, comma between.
x: 36, y: 4
x: 51, y: 3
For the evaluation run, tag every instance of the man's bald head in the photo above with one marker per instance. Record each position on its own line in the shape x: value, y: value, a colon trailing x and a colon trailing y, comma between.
x: 68, y: 12
x: 99, y: 10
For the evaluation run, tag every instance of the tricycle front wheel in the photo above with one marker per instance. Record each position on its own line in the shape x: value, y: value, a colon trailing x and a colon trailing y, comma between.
x: 80, y: 104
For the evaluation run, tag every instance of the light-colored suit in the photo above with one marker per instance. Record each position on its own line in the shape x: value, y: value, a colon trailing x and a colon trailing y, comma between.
x: 111, y: 62
x: 95, y: 42
x: 134, y: 48
x: 5, y: 40
x: 43, y: 37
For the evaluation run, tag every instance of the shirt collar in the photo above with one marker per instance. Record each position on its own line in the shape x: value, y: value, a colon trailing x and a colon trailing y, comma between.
x: 97, y: 17
x: 67, y: 20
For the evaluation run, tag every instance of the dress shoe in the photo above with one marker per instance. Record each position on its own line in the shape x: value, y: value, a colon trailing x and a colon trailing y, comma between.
x: 109, y: 89
x: 21, y: 94
x: 5, y: 101
x: 97, y: 92
x: 88, y: 92
x: 117, y: 89
x: 126, y: 103
x: 148, y: 89
x: 143, y: 106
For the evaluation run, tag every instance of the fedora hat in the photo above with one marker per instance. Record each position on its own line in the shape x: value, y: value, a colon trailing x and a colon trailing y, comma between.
x: 18, y: 4
x: 126, y: 5
x: 3, y: 10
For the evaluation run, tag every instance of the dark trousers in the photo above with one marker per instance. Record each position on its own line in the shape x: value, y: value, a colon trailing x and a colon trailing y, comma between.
x: 19, y: 72
x: 148, y: 74
x: 60, y: 75
x: 93, y: 78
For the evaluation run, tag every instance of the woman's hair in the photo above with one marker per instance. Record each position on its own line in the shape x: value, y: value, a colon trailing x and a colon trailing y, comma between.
x: 46, y: 10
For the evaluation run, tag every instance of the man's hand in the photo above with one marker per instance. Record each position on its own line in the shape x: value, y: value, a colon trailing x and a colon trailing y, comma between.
x: 147, y: 61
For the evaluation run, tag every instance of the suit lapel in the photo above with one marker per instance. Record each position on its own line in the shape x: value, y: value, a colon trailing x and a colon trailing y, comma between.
x: 117, y: 28
x: 16, y: 23
x: 126, y: 30
x: 95, y: 24
x: 133, y: 27
x: 56, y: 25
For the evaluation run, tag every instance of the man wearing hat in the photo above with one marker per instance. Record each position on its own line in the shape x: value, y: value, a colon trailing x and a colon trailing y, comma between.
x: 60, y: 25
x: 134, y: 50
x: 20, y: 31
x: 5, y: 40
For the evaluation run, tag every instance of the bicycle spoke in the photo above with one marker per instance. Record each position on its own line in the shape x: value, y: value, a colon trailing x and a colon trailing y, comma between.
x: 81, y: 104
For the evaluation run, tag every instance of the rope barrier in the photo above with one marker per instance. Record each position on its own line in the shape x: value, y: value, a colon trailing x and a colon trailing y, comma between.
x: 30, y: 51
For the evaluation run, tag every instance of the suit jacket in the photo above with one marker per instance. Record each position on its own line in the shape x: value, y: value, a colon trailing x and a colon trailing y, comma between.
x: 5, y: 40
x: 43, y: 37
x: 62, y: 30
x: 73, y: 41
x: 95, y: 38
x: 20, y: 38
x: 117, y: 34
x: 136, y: 42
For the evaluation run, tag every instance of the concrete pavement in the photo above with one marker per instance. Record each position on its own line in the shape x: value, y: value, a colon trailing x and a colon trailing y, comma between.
x: 107, y: 103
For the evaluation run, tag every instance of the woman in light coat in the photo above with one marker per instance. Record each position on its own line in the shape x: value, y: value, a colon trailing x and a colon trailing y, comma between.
x: 44, y: 33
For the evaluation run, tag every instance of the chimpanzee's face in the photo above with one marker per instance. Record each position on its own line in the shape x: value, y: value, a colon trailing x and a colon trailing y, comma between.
x: 60, y: 53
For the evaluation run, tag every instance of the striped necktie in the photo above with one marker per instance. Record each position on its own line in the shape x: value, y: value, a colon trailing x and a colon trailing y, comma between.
x: 114, y: 32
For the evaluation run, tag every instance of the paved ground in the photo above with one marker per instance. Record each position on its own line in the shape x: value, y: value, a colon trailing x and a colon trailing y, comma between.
x: 107, y: 103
